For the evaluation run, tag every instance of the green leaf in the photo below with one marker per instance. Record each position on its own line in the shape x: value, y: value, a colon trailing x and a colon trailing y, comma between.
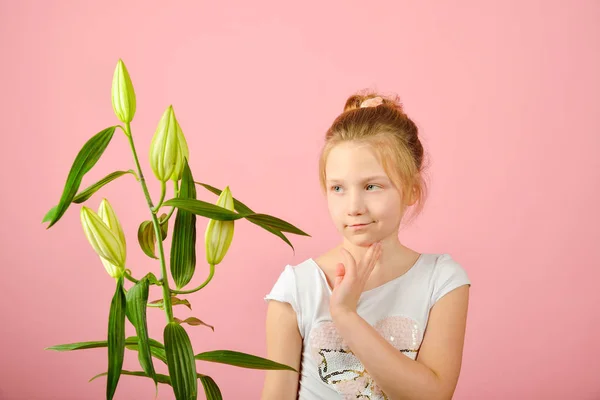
x: 193, y: 321
x: 116, y: 339
x: 211, y: 390
x: 79, y: 345
x: 244, y: 209
x: 147, y: 238
x: 155, y: 351
x: 241, y: 360
x: 98, y: 344
x: 50, y: 214
x: 276, y: 223
x: 90, y: 190
x: 152, y: 279
x: 87, y: 157
x: 180, y: 359
x: 160, y: 378
x: 204, y: 209
x: 174, y: 301
x: 274, y: 232
x: 238, y: 205
x: 153, y: 343
x: 164, y: 225
x: 137, y: 298
x: 183, y: 245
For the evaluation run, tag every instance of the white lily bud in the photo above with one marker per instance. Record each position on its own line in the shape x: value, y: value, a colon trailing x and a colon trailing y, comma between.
x: 106, y: 238
x: 164, y: 148
x: 219, y: 234
x: 181, y: 155
x: 123, y: 95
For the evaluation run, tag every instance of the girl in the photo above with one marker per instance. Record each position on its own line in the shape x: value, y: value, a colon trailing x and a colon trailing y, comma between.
x: 371, y: 318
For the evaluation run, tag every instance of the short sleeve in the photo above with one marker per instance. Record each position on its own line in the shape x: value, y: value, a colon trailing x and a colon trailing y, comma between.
x: 285, y: 290
x: 448, y: 275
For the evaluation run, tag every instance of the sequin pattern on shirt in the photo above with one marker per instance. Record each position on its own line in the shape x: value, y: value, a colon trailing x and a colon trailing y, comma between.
x: 340, y: 369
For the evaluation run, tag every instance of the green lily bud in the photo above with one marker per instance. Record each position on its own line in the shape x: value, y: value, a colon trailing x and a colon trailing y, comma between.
x: 105, y: 241
x: 123, y: 95
x: 111, y: 268
x: 219, y: 234
x: 164, y: 148
x: 108, y: 216
x: 182, y: 155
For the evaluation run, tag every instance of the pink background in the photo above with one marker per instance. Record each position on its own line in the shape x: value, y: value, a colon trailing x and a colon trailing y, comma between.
x: 506, y: 95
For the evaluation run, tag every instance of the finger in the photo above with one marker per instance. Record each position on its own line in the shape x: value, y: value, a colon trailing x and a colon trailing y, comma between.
x: 340, y: 271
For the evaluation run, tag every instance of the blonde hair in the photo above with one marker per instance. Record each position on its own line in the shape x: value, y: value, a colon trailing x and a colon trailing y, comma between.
x: 392, y: 135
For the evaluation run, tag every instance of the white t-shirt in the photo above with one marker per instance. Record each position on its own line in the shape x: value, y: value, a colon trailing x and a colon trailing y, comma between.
x: 398, y: 310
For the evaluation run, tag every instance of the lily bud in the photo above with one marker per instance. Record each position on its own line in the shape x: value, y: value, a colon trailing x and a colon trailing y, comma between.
x: 219, y: 234
x: 181, y: 155
x: 123, y: 95
x: 111, y: 269
x: 108, y: 216
x: 106, y: 242
x: 164, y: 148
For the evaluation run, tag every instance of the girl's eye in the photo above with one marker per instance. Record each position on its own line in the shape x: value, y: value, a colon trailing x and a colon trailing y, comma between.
x: 335, y: 187
x: 373, y: 186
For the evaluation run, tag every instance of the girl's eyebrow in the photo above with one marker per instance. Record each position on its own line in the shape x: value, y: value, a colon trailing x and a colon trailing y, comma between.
x: 370, y: 178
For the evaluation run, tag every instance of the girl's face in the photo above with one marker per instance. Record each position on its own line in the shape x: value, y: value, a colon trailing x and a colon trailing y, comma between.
x: 363, y: 203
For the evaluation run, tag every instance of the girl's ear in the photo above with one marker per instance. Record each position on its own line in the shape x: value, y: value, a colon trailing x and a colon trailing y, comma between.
x: 411, y: 197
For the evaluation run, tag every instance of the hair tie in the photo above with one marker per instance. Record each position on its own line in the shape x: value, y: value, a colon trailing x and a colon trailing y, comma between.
x: 374, y: 102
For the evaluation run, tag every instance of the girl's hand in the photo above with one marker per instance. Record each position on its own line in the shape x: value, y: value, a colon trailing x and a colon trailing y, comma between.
x: 350, y: 280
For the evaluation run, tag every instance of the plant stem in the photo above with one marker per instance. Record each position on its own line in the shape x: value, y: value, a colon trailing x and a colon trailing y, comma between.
x: 163, y: 190
x: 129, y: 277
x: 176, y: 194
x: 157, y: 231
x: 210, y: 276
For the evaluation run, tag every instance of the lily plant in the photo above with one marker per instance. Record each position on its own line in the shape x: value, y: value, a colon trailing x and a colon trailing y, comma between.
x: 169, y: 161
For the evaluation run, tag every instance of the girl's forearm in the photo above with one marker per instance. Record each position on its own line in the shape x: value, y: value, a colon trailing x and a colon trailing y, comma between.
x: 398, y: 376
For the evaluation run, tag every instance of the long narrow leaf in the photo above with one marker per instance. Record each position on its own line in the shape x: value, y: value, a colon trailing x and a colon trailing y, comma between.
x: 137, y: 299
x: 174, y: 301
x: 183, y: 246
x: 89, y: 191
x: 116, y: 339
x: 87, y: 157
x: 238, y: 205
x: 155, y: 351
x: 211, y: 390
x: 204, y: 209
x: 193, y: 321
x: 241, y: 360
x: 99, y: 343
x: 276, y: 223
x: 274, y: 232
x: 244, y: 209
x: 160, y: 378
x: 180, y: 358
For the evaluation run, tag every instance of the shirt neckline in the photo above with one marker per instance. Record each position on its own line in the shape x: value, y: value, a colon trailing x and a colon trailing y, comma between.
x: 377, y: 288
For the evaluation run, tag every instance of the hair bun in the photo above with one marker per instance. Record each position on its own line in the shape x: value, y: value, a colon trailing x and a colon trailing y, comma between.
x: 364, y: 99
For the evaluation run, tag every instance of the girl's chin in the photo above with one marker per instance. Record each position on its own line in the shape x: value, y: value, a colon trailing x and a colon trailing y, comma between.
x: 363, y: 240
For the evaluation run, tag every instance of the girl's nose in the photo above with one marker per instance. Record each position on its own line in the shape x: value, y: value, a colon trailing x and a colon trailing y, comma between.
x: 356, y: 204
